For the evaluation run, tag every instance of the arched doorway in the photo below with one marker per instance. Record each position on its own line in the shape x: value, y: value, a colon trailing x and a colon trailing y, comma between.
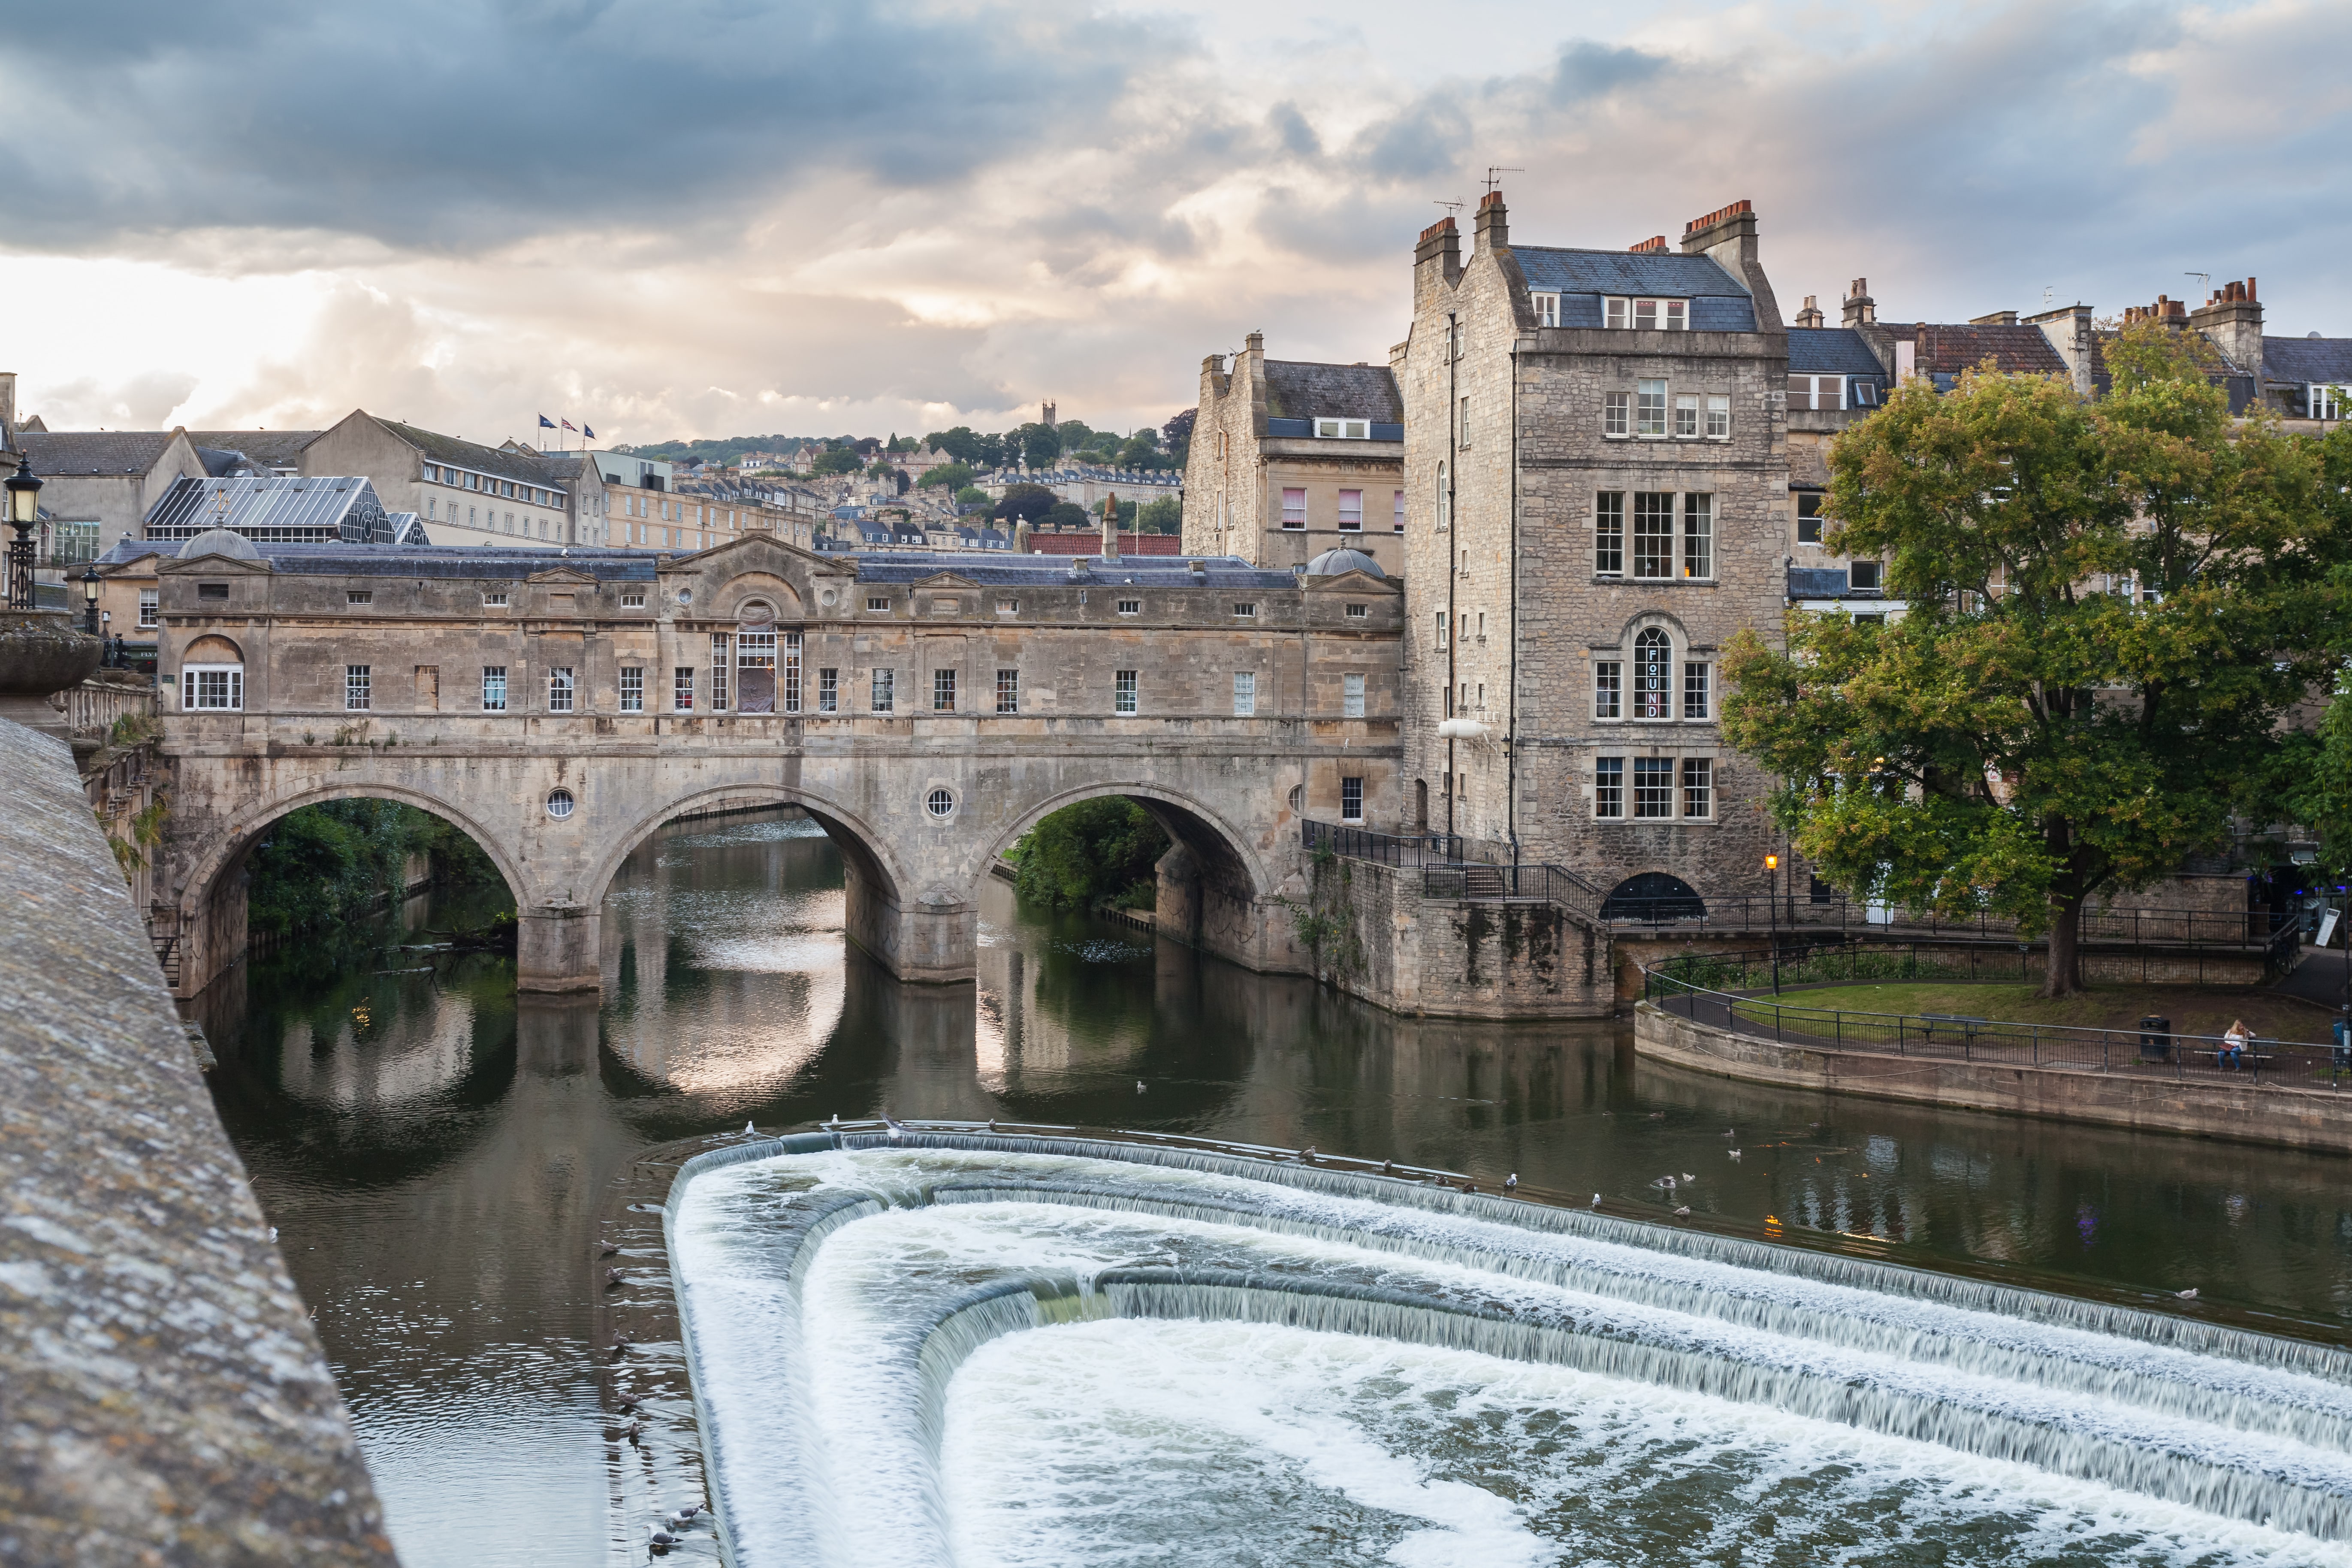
x: 1656, y: 896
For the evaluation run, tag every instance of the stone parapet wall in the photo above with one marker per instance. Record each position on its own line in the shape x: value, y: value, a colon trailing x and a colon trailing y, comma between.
x: 2294, y: 1118
x: 1469, y: 959
x: 165, y: 1398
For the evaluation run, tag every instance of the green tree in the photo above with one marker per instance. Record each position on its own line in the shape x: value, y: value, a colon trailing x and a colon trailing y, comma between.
x: 1165, y: 515
x: 959, y: 443
x: 952, y: 476
x: 1141, y: 450
x: 1038, y: 445
x: 1179, y: 431
x: 972, y: 495
x: 1096, y: 852
x: 2106, y: 608
x: 837, y: 460
x: 1066, y: 514
x: 1028, y: 502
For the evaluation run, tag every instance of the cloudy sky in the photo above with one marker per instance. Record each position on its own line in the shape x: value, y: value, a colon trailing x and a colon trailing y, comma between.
x: 803, y: 217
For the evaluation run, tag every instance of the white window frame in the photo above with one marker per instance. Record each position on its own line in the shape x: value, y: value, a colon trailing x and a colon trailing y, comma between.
x: 1352, y: 798
x: 494, y: 688
x: 1650, y: 409
x: 1626, y: 311
x: 561, y: 689
x: 1344, y: 430
x: 633, y: 689
x: 1358, y: 612
x: 885, y: 691
x: 1351, y: 695
x: 212, y: 688
x: 1244, y: 694
x: 1699, y: 535
x: 1356, y: 524
x: 1546, y: 308
x: 1877, y: 584
x: 1817, y: 519
x: 1687, y: 412
x: 1718, y: 417
x: 1292, y: 520
x: 1608, y: 534
x: 1400, y: 511
x: 1659, y: 504
x: 1617, y: 415
x: 1247, y: 612
x: 1648, y: 767
x: 1126, y: 693
x: 1609, y: 789
x: 1609, y: 688
x: 1130, y: 606
x: 1822, y: 394
x: 496, y: 601
x: 358, y: 687
x: 150, y: 607
x: 2326, y: 399
x: 1697, y: 782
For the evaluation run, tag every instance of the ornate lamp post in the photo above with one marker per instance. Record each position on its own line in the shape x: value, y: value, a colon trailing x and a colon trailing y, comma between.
x: 90, y: 598
x: 1773, y: 895
x: 24, y: 512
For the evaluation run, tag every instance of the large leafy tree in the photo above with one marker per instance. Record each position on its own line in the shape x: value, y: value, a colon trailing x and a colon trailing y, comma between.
x: 2112, y: 607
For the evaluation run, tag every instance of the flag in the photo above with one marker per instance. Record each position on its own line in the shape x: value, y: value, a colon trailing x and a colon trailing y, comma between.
x: 588, y: 430
x: 569, y: 426
x: 545, y: 423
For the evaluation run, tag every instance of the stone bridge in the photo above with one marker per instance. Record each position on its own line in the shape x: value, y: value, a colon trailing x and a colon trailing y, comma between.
x: 925, y: 710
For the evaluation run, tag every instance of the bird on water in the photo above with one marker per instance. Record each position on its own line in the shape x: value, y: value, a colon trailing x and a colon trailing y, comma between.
x: 606, y: 1249
x: 1139, y: 1086
x: 1511, y: 1183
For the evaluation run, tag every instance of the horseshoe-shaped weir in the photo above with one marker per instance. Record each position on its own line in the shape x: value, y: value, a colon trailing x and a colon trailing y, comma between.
x: 934, y: 1347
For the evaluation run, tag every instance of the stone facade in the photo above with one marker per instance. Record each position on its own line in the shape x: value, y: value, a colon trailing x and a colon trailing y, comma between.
x: 926, y: 710
x: 1290, y: 459
x: 1548, y: 552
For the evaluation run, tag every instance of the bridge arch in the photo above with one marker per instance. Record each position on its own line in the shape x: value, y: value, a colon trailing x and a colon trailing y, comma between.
x: 1216, y: 886
x: 877, y: 914
x: 209, y: 927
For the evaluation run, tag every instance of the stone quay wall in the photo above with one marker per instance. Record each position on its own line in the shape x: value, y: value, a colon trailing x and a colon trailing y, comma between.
x: 1456, y: 959
x: 166, y: 1399
x: 2245, y: 1113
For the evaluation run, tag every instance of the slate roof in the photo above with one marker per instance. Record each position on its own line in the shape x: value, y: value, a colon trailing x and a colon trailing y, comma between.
x: 462, y: 561
x: 1299, y: 389
x: 991, y: 569
x: 440, y: 449
x: 1949, y: 350
x: 1719, y: 303
x: 1091, y: 543
x: 276, y: 448
x: 1832, y: 351
x: 65, y: 454
x: 2308, y: 359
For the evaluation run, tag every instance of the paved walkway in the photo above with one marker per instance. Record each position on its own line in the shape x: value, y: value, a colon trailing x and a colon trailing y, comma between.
x: 2320, y: 977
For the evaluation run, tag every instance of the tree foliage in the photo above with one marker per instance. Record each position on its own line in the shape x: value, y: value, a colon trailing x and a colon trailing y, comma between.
x: 1096, y: 852
x: 336, y: 861
x: 2111, y: 607
x: 1027, y: 502
x: 1065, y: 514
x: 837, y: 460
x: 953, y: 477
x: 1165, y: 515
x: 1178, y: 434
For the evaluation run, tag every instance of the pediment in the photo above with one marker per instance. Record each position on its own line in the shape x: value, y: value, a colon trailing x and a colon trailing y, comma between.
x: 1354, y: 582
x: 214, y: 566
x: 563, y: 575
x: 954, y: 580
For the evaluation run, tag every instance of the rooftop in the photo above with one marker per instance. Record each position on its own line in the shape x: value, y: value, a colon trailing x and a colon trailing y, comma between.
x: 440, y: 449
x: 65, y: 454
x: 1832, y: 351
x: 2308, y: 359
x: 470, y: 562
x: 1299, y: 389
x: 1946, y: 348
x: 993, y: 569
x: 288, y: 508
x: 1719, y: 303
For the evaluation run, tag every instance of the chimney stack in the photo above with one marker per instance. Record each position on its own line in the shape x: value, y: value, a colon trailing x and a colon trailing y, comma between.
x: 2232, y: 321
x: 1110, y: 527
x: 1861, y: 310
x: 7, y: 405
x: 1811, y: 316
x: 1494, y: 231
x: 1440, y: 242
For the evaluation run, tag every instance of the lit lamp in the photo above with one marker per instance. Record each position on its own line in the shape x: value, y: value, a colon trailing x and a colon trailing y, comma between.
x: 1773, y: 900
x: 24, y: 512
x: 90, y: 598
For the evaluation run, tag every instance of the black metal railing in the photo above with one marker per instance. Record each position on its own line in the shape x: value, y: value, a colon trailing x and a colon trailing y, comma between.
x: 1746, y: 993
x: 1393, y: 848
x: 2151, y: 928
x: 1532, y: 883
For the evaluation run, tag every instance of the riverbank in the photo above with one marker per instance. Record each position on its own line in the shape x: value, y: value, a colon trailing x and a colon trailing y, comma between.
x: 2144, y: 1098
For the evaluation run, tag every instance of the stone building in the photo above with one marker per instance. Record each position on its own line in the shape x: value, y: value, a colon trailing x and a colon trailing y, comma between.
x: 1291, y: 459
x: 466, y: 493
x: 1596, y: 478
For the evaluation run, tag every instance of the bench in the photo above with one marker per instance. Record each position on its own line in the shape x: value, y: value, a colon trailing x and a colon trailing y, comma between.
x: 1968, y: 1028
x: 2254, y: 1054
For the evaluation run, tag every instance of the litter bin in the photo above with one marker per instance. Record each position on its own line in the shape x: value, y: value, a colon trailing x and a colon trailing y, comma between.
x: 2155, y: 1039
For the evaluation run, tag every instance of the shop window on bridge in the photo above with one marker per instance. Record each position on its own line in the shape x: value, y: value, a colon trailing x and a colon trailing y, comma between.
x: 212, y: 687
x: 1654, y: 896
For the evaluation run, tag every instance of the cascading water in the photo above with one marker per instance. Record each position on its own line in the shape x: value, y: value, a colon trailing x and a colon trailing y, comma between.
x: 940, y: 1347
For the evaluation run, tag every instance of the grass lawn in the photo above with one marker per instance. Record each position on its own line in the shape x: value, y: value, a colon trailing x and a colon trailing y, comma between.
x: 2192, y: 1011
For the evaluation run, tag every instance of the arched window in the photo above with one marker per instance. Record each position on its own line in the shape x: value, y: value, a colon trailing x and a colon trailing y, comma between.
x: 1653, y: 663
x: 212, y: 677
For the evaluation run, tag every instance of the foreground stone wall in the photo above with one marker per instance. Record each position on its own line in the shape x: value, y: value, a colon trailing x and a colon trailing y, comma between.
x: 163, y: 1397
x: 2295, y: 1118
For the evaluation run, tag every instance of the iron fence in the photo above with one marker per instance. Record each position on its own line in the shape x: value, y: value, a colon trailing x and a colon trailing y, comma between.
x: 1531, y: 882
x: 1724, y: 990
x: 2179, y: 928
x: 1393, y: 848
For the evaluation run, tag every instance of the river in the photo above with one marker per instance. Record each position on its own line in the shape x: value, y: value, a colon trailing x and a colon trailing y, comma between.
x: 435, y: 1152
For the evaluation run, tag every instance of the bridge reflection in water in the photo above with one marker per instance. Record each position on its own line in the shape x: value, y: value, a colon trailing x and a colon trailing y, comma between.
x: 436, y: 1151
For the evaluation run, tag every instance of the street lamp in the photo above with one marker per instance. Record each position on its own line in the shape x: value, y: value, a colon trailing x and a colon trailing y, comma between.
x: 1773, y: 901
x: 90, y: 598
x: 24, y: 511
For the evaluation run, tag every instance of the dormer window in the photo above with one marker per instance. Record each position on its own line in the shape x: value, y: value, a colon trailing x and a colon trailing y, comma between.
x: 1547, y: 309
x: 1344, y: 430
x: 1825, y: 393
x: 1648, y: 315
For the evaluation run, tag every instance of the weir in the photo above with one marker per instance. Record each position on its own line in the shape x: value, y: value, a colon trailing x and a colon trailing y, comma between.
x: 879, y: 1289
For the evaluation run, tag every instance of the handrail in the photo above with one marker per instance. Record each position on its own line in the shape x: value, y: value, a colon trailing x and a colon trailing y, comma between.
x: 1392, y: 848
x: 1694, y: 985
x: 1529, y: 882
x: 2153, y: 926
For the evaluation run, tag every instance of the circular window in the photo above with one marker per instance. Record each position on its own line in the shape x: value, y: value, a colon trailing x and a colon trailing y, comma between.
x: 559, y: 804
x: 940, y: 803
x: 686, y: 595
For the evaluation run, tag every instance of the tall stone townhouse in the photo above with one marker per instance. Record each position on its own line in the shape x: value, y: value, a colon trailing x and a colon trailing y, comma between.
x: 1596, y: 478
x: 1291, y: 459
x: 466, y: 493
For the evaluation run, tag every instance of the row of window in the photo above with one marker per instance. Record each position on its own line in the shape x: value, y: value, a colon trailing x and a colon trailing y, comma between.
x: 1652, y: 694
x: 1653, y: 789
x: 1351, y: 511
x: 756, y: 678
x: 1653, y: 534
x: 1621, y: 312
x: 439, y: 474
x: 1650, y: 411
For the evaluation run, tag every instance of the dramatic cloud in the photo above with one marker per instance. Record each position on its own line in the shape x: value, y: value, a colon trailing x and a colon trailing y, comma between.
x: 730, y: 215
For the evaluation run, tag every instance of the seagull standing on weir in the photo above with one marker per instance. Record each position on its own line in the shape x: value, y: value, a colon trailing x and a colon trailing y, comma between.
x: 1511, y: 1183
x: 898, y: 1129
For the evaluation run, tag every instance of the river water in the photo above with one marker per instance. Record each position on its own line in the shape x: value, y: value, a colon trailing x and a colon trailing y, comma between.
x: 435, y: 1154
